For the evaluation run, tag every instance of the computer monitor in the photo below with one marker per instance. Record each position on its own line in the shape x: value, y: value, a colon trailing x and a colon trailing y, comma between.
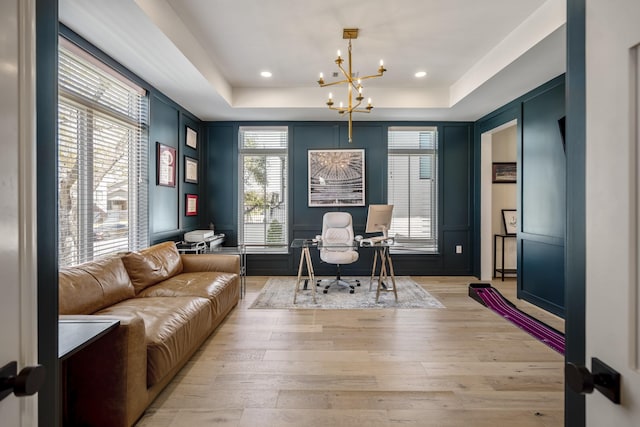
x: 379, y: 219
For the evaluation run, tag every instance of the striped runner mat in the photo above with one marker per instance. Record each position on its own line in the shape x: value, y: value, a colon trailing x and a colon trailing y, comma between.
x: 488, y: 296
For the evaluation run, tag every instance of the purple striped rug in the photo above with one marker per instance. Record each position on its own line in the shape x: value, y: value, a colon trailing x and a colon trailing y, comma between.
x: 490, y: 297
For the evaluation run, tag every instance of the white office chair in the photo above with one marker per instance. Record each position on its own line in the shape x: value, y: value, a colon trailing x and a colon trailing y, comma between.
x: 337, y: 246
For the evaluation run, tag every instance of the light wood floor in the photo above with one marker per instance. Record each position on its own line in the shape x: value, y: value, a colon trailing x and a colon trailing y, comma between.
x: 459, y: 366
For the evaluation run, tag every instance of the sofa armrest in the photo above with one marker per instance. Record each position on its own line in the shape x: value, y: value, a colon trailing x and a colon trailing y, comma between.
x: 210, y: 262
x: 106, y: 382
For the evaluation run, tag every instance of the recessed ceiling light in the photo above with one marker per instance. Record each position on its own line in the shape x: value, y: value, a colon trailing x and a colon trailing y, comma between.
x: 421, y: 74
x: 266, y: 74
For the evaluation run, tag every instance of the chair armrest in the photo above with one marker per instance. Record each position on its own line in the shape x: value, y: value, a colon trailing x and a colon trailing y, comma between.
x: 226, y: 263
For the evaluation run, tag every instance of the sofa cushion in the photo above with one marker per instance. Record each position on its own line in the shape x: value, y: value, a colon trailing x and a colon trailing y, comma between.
x: 89, y: 287
x: 222, y: 289
x: 173, y: 328
x: 153, y: 264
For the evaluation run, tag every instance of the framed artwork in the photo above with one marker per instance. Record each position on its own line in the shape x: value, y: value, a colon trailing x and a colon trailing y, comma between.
x: 192, y: 138
x: 504, y: 172
x: 166, y: 165
x: 190, y: 170
x: 510, y: 221
x: 191, y: 205
x: 336, y: 178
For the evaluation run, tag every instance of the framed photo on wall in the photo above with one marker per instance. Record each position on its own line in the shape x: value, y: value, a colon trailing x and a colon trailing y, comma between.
x: 510, y: 221
x: 504, y: 172
x: 192, y: 138
x: 190, y: 170
x: 166, y: 165
x: 336, y: 178
x: 191, y: 205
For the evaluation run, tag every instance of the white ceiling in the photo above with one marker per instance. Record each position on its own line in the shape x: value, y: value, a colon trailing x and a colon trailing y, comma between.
x: 207, y: 55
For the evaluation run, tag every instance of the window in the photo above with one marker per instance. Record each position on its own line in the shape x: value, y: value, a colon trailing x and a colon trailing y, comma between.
x: 263, y: 186
x: 413, y: 184
x: 102, y: 159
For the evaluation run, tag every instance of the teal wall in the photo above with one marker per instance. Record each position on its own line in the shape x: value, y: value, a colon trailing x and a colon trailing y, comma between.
x: 541, y: 193
x: 455, y: 192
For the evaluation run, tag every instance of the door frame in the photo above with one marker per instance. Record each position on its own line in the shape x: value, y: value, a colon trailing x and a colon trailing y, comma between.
x: 46, y: 75
x: 486, y: 215
x: 575, y: 243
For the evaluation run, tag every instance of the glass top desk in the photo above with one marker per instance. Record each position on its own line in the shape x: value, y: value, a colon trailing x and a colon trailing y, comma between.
x: 384, y: 272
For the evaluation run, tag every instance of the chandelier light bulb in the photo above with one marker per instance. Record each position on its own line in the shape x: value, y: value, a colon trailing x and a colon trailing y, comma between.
x: 338, y: 53
x: 330, y: 96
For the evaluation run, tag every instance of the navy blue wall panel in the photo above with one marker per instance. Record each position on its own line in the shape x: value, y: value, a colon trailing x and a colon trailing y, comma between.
x: 456, y: 170
x: 542, y: 200
x: 541, y: 192
x: 455, y: 143
x: 221, y: 177
x: 543, y: 286
x: 194, y: 221
x: 543, y: 171
x: 163, y: 209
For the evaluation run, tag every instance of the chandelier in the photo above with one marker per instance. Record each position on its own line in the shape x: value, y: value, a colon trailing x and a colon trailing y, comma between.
x: 354, y: 83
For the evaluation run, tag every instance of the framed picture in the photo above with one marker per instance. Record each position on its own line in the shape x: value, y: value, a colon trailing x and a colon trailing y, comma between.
x: 166, y: 165
x: 510, y: 221
x: 190, y: 170
x: 336, y: 178
x: 504, y: 172
x: 192, y: 138
x: 191, y: 205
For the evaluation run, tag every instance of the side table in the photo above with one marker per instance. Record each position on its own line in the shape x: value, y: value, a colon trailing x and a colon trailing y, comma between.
x: 502, y: 270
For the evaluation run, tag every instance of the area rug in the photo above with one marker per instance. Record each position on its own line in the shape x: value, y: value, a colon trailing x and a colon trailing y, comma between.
x: 490, y: 297
x: 278, y: 293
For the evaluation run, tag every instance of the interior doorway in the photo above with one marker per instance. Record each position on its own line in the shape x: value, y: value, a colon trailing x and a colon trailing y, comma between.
x: 498, y: 145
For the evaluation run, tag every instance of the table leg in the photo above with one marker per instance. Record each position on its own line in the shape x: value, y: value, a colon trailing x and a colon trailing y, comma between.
x: 305, y: 258
x: 302, y: 257
x: 385, y: 258
x: 373, y: 269
x: 311, y: 274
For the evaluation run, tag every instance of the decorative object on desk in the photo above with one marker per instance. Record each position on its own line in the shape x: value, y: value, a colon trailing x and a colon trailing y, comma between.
x: 353, y: 81
x: 192, y: 138
x: 191, y: 205
x: 510, y: 221
x: 504, y: 172
x: 190, y: 170
x: 278, y: 292
x: 166, y: 165
x: 336, y: 178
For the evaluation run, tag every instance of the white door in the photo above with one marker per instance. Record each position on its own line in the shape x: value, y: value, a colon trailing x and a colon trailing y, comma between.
x: 612, y: 197
x: 18, y: 328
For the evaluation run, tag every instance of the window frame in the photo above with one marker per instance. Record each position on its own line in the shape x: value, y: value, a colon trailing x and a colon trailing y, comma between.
x: 432, y: 244
x: 131, y: 120
x: 282, y: 152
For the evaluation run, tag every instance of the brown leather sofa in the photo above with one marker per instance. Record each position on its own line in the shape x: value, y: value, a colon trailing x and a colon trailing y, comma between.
x: 167, y: 303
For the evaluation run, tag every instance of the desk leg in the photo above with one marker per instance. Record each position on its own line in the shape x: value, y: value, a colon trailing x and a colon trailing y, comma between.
x: 302, y: 258
x: 385, y: 259
x: 305, y: 257
x: 393, y: 274
x: 312, y: 280
x: 373, y: 269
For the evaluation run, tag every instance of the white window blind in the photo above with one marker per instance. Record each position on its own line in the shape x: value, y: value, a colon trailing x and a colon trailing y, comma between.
x: 413, y: 184
x: 263, y: 186
x: 102, y: 160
